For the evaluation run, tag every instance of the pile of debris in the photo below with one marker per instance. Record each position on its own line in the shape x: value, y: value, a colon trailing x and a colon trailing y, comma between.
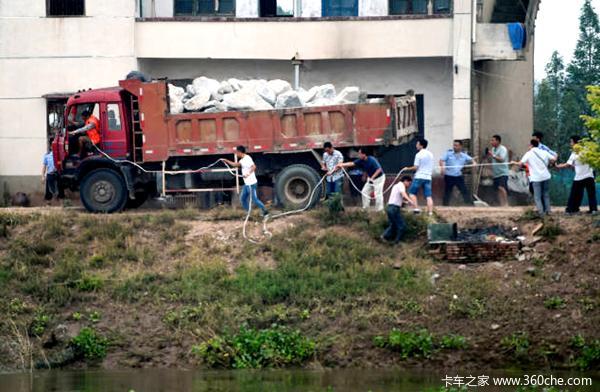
x: 210, y: 96
x: 473, y: 245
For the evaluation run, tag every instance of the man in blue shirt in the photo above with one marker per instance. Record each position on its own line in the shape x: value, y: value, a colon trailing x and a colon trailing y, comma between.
x: 451, y: 165
x: 49, y: 175
x: 375, y: 178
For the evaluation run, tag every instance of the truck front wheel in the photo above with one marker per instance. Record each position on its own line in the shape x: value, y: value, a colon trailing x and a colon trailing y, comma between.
x: 295, y: 185
x: 103, y: 190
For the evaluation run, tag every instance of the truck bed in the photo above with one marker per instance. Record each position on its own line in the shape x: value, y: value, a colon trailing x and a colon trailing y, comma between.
x: 165, y: 135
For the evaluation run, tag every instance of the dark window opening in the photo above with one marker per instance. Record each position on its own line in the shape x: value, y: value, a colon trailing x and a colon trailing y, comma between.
x: 55, y: 108
x: 340, y: 7
x: 276, y: 8
x: 204, y: 7
x: 65, y: 7
x: 442, y: 6
x: 408, y: 7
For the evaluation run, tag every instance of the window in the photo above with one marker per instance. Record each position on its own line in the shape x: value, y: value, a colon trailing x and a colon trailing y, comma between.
x: 113, y: 116
x: 276, y: 8
x: 404, y: 7
x: 65, y: 7
x: 204, y: 7
x: 340, y: 7
x: 56, y: 113
x: 74, y: 119
x: 442, y: 6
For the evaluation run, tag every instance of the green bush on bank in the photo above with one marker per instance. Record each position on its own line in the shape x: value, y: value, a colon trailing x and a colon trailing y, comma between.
x: 89, y: 344
x: 276, y: 346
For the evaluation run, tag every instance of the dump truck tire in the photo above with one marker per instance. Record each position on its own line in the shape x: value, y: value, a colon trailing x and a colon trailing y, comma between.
x: 103, y: 190
x: 295, y: 184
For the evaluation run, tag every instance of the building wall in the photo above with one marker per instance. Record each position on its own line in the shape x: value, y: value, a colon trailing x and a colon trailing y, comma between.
x: 506, y: 102
x: 282, y: 40
x: 53, y: 55
x: 431, y: 77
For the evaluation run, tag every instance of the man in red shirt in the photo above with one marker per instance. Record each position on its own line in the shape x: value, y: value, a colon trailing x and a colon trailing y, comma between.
x: 90, y: 133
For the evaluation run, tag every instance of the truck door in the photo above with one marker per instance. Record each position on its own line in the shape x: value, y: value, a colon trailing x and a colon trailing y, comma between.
x: 114, y: 140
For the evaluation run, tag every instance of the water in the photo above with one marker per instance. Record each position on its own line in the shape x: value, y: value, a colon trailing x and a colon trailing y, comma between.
x: 152, y: 380
x: 219, y: 381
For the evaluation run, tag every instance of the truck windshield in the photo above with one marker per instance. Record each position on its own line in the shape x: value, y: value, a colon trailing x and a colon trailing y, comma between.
x: 74, y: 118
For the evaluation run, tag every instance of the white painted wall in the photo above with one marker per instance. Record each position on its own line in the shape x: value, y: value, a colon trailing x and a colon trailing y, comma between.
x: 493, y: 43
x: 41, y: 55
x: 282, y: 40
x: 431, y: 77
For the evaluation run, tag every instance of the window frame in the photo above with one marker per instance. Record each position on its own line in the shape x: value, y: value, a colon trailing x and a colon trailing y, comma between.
x: 48, y: 2
x: 203, y: 15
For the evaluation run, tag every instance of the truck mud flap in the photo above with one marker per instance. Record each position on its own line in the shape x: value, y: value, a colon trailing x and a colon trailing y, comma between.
x: 128, y: 176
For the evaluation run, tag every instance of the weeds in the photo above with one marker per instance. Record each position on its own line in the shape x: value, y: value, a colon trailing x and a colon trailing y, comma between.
x: 453, y: 342
x: 38, y: 325
x: 554, y: 302
x: 408, y: 344
x: 516, y: 344
x: 420, y: 344
x: 587, y: 354
x: 272, y: 347
x: 89, y: 344
x: 551, y: 229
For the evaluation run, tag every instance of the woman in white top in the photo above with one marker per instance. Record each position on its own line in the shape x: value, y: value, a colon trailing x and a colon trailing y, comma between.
x: 584, y: 179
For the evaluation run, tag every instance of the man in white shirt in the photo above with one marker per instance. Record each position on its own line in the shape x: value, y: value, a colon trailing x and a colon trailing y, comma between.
x: 584, y: 180
x: 424, y: 169
x: 537, y: 161
x: 250, y: 181
x: 396, y: 225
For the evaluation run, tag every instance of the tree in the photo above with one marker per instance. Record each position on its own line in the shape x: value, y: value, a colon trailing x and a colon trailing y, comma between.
x: 589, y: 147
x: 548, y: 102
x: 583, y: 71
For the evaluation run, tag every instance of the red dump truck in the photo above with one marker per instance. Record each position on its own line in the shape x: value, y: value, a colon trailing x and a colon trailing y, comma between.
x: 147, y: 151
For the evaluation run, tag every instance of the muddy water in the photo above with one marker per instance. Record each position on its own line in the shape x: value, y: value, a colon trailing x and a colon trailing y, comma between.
x: 219, y: 381
x: 355, y: 380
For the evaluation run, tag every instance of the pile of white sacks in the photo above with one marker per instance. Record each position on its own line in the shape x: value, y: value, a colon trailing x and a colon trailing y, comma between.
x: 209, y: 95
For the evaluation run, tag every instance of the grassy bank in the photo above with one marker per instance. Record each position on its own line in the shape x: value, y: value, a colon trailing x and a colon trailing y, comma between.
x: 179, y: 288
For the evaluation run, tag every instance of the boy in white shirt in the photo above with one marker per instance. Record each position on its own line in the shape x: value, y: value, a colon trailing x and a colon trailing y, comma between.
x: 537, y: 161
x: 424, y: 169
x: 250, y: 181
x: 584, y: 179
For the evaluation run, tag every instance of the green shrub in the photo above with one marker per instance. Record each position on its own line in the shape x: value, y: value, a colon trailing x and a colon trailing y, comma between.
x: 89, y: 344
x: 516, y: 344
x: 551, y: 229
x: 332, y: 213
x: 554, y: 302
x: 38, y: 325
x: 408, y: 344
x: 453, y: 342
x: 587, y: 354
x: 90, y: 283
x: 272, y: 347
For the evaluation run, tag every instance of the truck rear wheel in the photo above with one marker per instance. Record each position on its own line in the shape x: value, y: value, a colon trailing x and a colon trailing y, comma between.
x: 295, y: 184
x: 103, y: 190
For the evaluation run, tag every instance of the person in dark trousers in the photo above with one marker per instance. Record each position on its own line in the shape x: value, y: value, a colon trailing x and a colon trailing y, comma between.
x: 584, y: 180
x: 49, y: 176
x: 396, y: 225
x: 87, y: 135
x: 335, y: 177
x: 250, y: 180
x: 499, y: 156
x: 451, y: 165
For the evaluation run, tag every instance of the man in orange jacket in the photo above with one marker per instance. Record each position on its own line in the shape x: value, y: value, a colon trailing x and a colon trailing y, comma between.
x: 90, y: 132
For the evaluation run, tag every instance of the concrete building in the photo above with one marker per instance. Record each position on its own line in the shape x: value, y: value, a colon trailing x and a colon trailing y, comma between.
x: 456, y: 55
